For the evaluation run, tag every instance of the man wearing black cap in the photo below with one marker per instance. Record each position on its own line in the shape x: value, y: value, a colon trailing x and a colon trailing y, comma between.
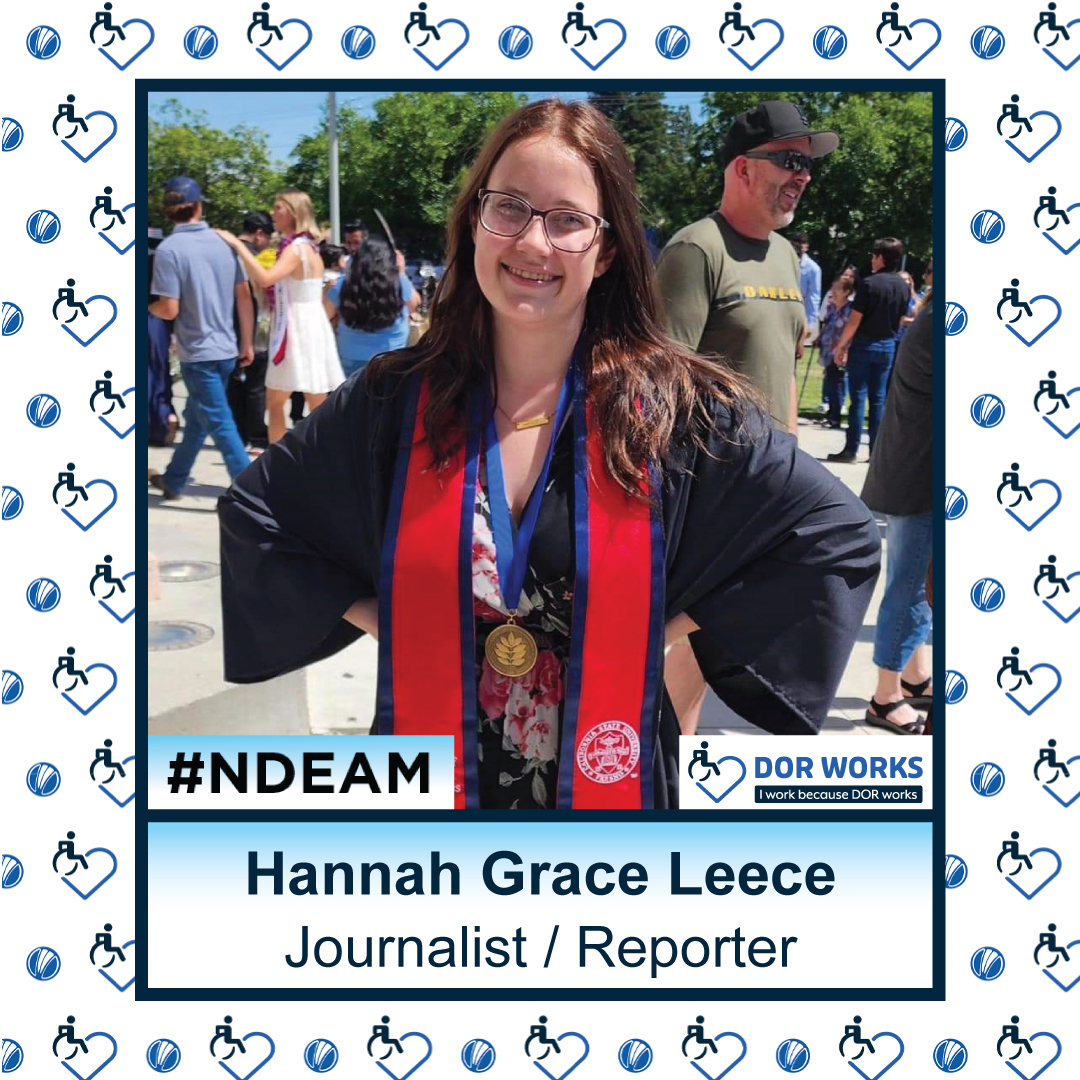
x: 198, y: 281
x: 731, y: 286
x: 247, y: 386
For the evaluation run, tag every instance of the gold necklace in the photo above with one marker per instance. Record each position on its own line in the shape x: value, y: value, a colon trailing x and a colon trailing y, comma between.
x: 523, y: 425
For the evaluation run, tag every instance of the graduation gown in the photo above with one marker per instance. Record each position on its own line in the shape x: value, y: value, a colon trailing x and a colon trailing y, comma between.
x: 773, y: 557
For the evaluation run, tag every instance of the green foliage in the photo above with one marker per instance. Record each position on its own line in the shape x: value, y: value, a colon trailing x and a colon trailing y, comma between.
x: 232, y: 167
x: 409, y: 158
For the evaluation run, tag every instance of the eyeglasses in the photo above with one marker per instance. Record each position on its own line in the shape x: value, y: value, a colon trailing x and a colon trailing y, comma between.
x: 792, y: 160
x: 572, y: 231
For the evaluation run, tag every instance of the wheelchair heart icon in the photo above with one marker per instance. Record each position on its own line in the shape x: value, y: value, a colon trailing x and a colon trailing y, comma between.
x: 86, y: 895
x: 105, y: 974
x: 438, y: 65
x: 1064, y: 986
x: 731, y: 787
x: 580, y: 1058
x: 90, y: 1076
x: 1076, y: 783
x: 135, y: 55
x: 101, y: 329
x: 87, y: 526
x: 101, y: 145
x: 717, y: 1039
x: 86, y: 710
x: 1045, y: 881
x: 1046, y: 1065
x: 750, y: 65
x: 123, y: 800
x: 882, y: 1071
x: 1029, y: 158
x: 1029, y: 525
x: 926, y: 52
x: 108, y: 239
x: 289, y: 59
x: 112, y: 611
x: 116, y: 431
x: 250, y: 1035
x: 1061, y: 64
x: 1028, y: 710
x: 611, y: 52
x: 1049, y: 326
x: 416, y: 1065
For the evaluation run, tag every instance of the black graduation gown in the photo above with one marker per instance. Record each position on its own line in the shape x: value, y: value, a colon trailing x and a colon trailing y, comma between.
x: 773, y: 557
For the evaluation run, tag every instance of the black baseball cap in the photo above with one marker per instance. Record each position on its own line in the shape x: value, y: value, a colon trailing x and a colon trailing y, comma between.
x: 258, y: 219
x: 772, y: 120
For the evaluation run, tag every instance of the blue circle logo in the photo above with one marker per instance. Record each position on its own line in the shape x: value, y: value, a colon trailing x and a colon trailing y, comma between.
x: 163, y: 1055
x: 987, y: 963
x: 43, y: 43
x: 43, y: 410
x: 43, y: 594
x: 200, y: 42
x: 320, y: 1055
x: 11, y: 687
x: 988, y: 410
x: 11, y: 503
x: 11, y: 318
x: 830, y: 42
x: 956, y: 871
x: 987, y: 779
x: 988, y: 226
x: 11, y: 873
x: 11, y: 1056
x: 793, y: 1055
x: 43, y: 226
x: 358, y: 43
x: 43, y: 779
x: 515, y: 43
x: 956, y: 133
x: 673, y: 43
x: 478, y: 1055
x: 955, y: 319
x: 635, y: 1055
x: 956, y: 688
x: 987, y: 42
x: 987, y: 594
x: 43, y: 963
x: 11, y: 133
x: 956, y: 503
x: 950, y: 1055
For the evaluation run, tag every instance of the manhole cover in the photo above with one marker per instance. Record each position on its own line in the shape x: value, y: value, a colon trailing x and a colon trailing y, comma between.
x: 163, y: 636
x: 187, y: 571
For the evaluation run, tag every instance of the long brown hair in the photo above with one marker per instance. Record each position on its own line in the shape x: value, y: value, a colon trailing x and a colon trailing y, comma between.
x: 643, y: 387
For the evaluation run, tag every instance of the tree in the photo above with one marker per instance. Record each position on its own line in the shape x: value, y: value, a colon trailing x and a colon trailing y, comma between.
x: 232, y: 167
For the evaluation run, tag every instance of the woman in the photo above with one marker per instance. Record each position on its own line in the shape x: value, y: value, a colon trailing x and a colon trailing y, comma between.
x: 899, y: 484
x: 303, y: 355
x: 835, y: 312
x: 546, y: 401
x: 371, y: 303
x: 912, y: 307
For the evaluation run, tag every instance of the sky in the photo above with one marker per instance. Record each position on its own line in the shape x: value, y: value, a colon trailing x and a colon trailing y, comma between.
x: 287, y: 115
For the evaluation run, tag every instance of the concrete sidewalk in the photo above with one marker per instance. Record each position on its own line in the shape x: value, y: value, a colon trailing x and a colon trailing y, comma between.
x: 187, y: 694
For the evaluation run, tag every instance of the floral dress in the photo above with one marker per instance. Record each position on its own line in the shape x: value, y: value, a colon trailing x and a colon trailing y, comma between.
x: 520, y: 718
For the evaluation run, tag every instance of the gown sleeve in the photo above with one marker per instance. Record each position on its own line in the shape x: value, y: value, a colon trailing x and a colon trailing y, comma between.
x: 301, y: 532
x: 775, y: 559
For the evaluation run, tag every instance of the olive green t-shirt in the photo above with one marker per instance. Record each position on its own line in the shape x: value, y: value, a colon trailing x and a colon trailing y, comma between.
x: 730, y: 294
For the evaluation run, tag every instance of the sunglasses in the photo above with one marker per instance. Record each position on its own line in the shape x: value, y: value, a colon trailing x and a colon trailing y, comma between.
x: 792, y: 160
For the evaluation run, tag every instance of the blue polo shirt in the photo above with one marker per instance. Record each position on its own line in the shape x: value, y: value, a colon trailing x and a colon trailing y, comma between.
x: 197, y: 268
x: 810, y: 285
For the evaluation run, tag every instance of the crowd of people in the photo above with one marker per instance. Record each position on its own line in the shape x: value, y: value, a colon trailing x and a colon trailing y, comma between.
x: 265, y: 331
x: 569, y: 382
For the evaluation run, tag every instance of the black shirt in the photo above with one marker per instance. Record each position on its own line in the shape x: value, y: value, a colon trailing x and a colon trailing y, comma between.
x: 882, y: 298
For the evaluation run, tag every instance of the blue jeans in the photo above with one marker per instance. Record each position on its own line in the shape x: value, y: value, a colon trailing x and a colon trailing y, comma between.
x: 207, y: 414
x: 868, y: 374
x: 904, y: 619
x: 833, y: 386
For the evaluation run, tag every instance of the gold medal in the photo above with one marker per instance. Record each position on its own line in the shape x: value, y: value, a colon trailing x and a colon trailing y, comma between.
x: 511, y: 650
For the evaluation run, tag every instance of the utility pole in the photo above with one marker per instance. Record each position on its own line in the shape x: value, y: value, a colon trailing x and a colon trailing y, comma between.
x: 335, y: 203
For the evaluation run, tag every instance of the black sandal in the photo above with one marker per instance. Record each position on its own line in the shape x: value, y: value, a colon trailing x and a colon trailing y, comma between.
x: 877, y: 716
x: 919, y: 698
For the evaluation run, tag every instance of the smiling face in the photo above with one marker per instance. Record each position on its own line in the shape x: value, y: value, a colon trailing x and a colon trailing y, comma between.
x: 774, y: 191
x: 527, y: 282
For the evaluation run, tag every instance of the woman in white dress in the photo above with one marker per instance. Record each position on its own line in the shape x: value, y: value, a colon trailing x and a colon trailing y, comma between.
x: 303, y: 349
